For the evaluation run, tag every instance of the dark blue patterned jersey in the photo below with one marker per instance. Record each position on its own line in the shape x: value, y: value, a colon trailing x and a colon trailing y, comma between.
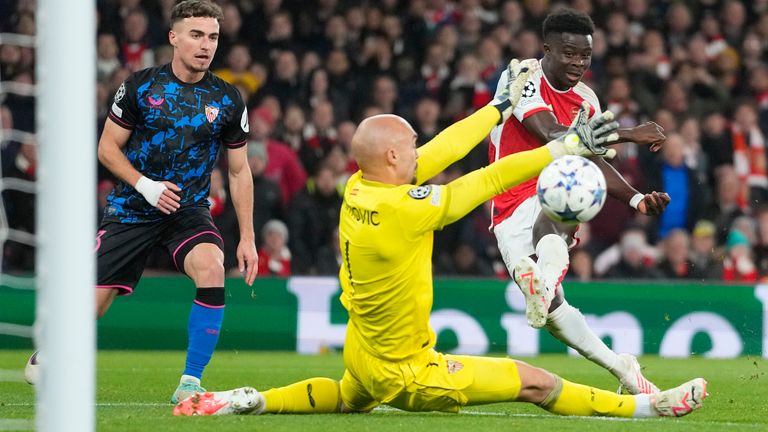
x: 177, y: 130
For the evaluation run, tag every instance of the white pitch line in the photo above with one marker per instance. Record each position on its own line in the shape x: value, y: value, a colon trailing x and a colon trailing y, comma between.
x: 105, y: 404
x: 386, y: 409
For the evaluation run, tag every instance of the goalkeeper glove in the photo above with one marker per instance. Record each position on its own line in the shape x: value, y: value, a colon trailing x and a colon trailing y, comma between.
x: 586, y: 137
x: 517, y: 75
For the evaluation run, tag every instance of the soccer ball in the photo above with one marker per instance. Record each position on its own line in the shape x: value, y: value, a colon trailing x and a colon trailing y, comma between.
x: 571, y: 189
x: 32, y: 369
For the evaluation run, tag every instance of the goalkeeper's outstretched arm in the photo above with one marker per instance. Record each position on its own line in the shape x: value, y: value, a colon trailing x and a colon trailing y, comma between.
x: 455, y: 142
x: 474, y: 188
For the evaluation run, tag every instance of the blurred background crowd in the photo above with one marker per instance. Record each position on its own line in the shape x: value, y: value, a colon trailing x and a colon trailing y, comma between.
x: 311, y: 70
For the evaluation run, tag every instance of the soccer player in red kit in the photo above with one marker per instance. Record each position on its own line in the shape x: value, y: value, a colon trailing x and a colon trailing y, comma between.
x: 550, y: 100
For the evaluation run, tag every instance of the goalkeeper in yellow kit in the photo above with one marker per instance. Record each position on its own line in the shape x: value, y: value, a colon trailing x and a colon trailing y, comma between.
x: 386, y: 235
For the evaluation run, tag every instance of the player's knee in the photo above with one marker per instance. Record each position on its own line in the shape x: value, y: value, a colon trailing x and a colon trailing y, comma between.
x: 210, y: 273
x: 535, y: 383
x: 205, y: 265
x: 551, y: 243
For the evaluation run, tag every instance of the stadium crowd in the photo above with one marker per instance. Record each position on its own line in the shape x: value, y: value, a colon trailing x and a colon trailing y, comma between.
x: 311, y: 70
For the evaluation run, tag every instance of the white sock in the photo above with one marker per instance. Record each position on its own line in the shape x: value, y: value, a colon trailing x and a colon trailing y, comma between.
x: 552, y: 253
x: 643, y: 408
x: 187, y: 378
x: 568, y: 325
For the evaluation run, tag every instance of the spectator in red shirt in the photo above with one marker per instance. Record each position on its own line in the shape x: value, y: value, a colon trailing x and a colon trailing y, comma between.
x: 274, y: 256
x: 136, y: 51
x: 749, y: 156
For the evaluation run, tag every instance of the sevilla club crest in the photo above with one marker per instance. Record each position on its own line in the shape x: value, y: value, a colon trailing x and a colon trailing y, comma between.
x: 454, y: 366
x: 211, y: 113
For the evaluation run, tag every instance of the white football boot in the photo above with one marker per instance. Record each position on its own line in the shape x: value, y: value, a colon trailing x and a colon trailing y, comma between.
x: 631, y: 377
x: 681, y: 400
x: 538, y: 297
x: 244, y: 400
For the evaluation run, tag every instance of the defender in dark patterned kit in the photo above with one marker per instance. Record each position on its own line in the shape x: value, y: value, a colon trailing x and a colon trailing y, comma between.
x: 162, y: 139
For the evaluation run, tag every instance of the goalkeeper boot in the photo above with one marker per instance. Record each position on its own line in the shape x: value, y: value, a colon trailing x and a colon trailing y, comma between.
x: 631, y: 377
x: 681, y: 400
x: 538, y: 297
x: 244, y: 400
x: 188, y: 385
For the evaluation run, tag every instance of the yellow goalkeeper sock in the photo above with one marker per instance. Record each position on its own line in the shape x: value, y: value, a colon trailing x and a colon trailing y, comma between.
x: 579, y: 400
x: 312, y: 396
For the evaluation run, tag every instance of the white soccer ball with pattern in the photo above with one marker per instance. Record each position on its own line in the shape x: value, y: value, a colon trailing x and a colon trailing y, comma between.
x: 571, y: 189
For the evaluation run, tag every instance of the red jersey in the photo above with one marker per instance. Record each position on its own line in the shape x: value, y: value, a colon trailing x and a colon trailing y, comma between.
x: 512, y: 137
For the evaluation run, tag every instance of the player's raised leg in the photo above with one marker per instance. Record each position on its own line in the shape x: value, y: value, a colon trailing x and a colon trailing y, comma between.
x: 568, y: 324
x: 515, y: 240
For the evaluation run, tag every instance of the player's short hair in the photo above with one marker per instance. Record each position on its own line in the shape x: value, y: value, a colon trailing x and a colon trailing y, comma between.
x: 194, y: 9
x: 568, y: 20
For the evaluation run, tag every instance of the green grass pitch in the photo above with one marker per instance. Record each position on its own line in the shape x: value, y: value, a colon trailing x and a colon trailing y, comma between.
x: 133, y: 388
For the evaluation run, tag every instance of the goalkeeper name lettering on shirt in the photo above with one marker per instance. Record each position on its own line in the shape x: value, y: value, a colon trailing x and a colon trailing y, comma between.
x: 369, y: 217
